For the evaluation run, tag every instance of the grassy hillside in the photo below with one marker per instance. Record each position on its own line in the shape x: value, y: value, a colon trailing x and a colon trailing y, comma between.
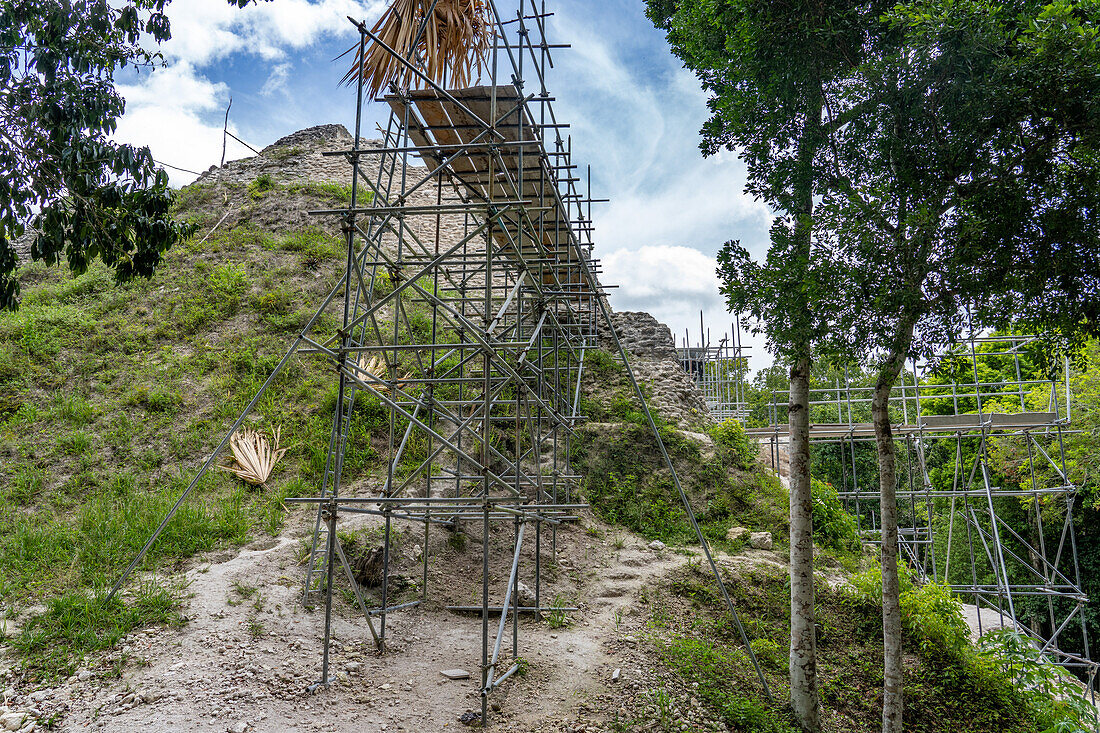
x: 110, y: 397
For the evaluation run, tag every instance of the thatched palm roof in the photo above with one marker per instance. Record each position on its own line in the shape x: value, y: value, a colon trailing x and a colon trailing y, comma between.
x: 446, y: 39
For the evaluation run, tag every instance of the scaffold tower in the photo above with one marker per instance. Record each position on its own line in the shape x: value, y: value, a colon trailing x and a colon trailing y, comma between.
x: 469, y: 299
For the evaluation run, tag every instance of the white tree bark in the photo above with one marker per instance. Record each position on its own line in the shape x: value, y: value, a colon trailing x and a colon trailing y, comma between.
x: 803, y: 660
x: 893, y: 682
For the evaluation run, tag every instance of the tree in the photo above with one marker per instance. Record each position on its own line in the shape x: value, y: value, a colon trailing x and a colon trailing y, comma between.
x: 962, y: 179
x: 80, y: 195
x: 767, y: 66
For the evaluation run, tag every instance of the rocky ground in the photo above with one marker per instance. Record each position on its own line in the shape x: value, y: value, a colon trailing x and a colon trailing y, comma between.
x: 249, y: 650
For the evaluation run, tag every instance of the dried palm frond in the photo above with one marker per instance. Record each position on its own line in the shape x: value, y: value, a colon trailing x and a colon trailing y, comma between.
x: 377, y: 368
x: 253, y: 456
x: 446, y: 39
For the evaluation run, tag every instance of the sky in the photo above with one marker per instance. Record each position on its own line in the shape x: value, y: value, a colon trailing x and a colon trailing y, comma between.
x: 635, y: 115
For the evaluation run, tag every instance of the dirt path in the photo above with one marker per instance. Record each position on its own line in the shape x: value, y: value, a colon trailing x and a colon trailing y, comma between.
x: 245, y: 657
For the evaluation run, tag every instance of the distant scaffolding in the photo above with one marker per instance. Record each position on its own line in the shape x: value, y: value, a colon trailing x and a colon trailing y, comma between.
x: 719, y: 369
x: 974, y: 451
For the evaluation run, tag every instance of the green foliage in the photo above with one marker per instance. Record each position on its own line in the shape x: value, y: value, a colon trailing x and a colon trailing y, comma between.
x: 935, y: 619
x: 712, y: 669
x: 730, y: 435
x: 83, y: 195
x: 626, y: 484
x: 313, y: 245
x: 945, y: 693
x: 601, y: 363
x: 834, y: 527
x: 207, y: 295
x: 110, y: 396
x: 55, y: 641
x: 769, y: 653
x: 1059, y: 704
x: 27, y: 481
x: 335, y: 192
x: 39, y: 551
x: 866, y: 587
x: 157, y: 399
x: 75, y: 409
x: 765, y: 68
x: 649, y: 509
x: 261, y: 185
x: 285, y: 152
x: 931, y: 617
x: 558, y: 617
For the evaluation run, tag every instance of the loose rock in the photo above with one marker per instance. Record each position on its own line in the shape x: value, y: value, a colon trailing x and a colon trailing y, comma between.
x: 525, y: 595
x: 13, y: 721
x: 737, y: 534
x: 761, y: 540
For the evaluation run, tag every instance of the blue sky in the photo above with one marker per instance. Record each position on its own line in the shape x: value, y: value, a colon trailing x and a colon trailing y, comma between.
x: 635, y: 116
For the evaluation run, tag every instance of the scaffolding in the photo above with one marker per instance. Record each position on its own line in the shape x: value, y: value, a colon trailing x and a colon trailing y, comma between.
x: 719, y: 369
x: 954, y: 436
x: 468, y: 301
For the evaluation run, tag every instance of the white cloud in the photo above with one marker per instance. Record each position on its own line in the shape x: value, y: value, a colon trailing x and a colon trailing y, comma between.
x: 177, y: 110
x: 176, y: 87
x: 277, y: 81
x: 635, y: 115
x: 698, y: 203
x: 204, y: 31
x: 168, y: 111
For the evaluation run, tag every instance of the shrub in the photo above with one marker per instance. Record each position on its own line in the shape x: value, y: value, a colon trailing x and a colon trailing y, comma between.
x: 730, y: 435
x: 866, y: 587
x: 263, y: 183
x: 769, y: 653
x: 930, y: 615
x: 1058, y: 704
x: 833, y: 526
x: 934, y: 619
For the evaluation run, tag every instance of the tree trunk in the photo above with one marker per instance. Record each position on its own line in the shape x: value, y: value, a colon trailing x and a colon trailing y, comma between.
x: 893, y: 683
x: 803, y: 660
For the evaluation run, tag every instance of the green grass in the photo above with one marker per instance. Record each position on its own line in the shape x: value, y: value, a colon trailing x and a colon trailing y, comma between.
x: 75, y: 443
x: 946, y: 690
x: 558, y: 618
x: 711, y: 668
x: 40, y: 551
x: 111, y: 396
x: 334, y: 192
x: 627, y: 483
x: 26, y: 482
x: 77, y: 623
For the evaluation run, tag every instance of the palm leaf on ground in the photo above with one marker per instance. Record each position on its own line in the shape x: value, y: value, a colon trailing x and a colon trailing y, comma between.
x: 253, y: 456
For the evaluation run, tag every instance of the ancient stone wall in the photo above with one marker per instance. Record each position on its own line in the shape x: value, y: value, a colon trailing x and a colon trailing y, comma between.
x: 641, y: 334
x: 652, y: 352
